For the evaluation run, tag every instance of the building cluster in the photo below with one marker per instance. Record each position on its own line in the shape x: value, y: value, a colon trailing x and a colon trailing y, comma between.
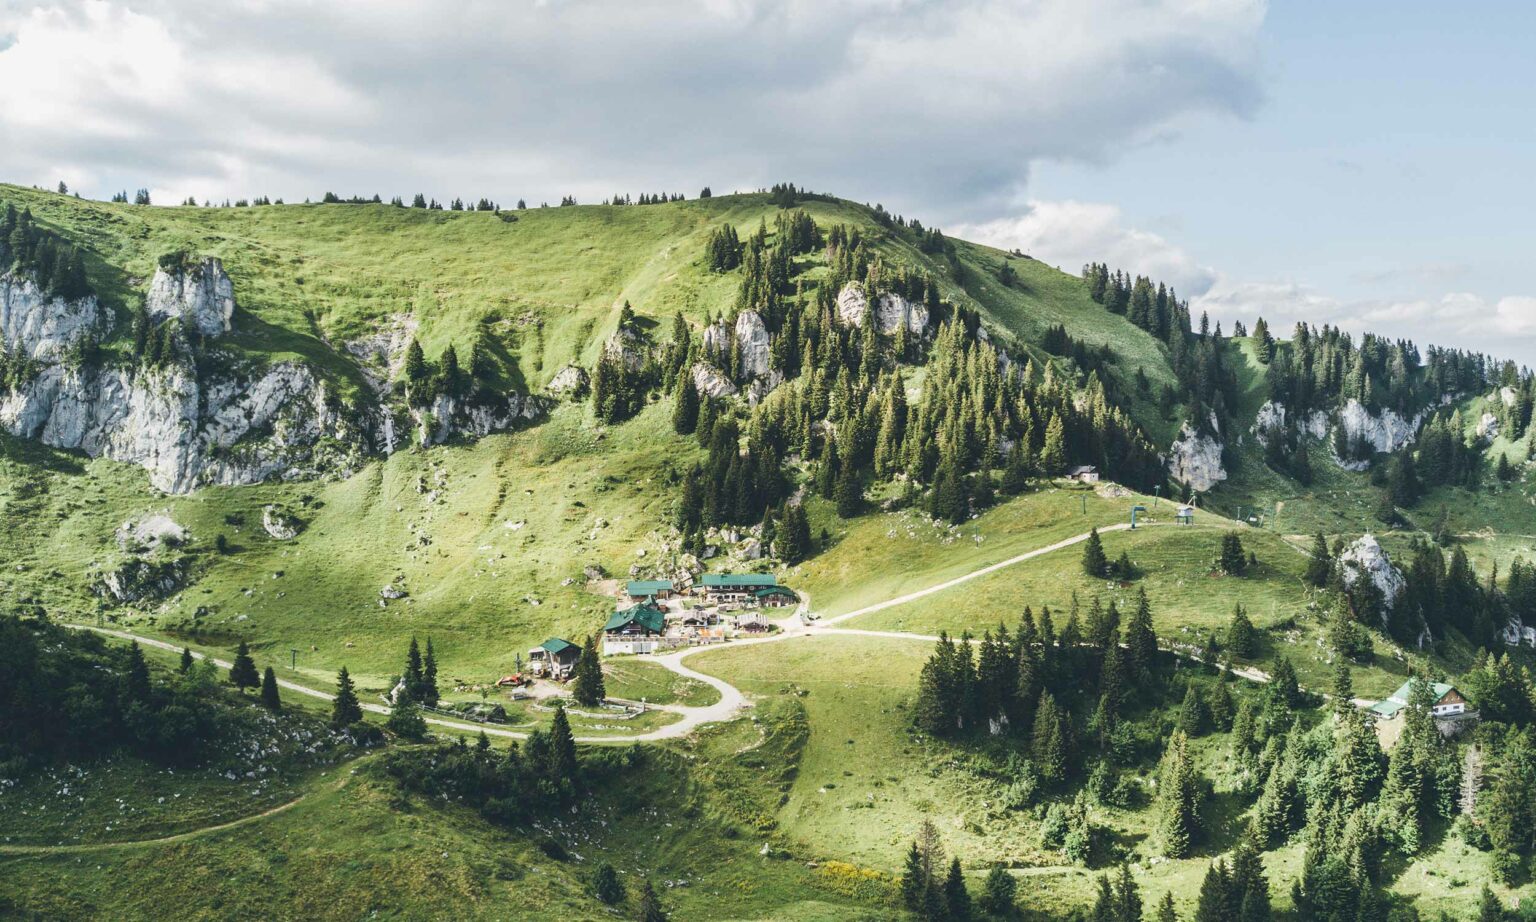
x: 656, y: 614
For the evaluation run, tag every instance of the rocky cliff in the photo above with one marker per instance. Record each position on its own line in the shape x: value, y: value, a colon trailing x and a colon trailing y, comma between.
x: 198, y: 294
x: 227, y: 424
x: 41, y: 327
x: 1194, y: 459
x: 892, y: 311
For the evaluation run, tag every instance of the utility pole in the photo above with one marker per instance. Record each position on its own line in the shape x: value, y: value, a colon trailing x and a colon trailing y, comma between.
x: 293, y: 658
x: 1085, y: 503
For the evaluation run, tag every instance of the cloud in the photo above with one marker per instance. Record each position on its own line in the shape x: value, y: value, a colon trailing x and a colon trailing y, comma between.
x: 1070, y: 233
x: 933, y: 106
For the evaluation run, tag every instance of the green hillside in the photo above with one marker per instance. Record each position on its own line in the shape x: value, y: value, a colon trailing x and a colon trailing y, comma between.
x: 803, y: 806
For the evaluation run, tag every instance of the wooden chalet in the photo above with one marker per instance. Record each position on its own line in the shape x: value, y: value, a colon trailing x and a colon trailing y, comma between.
x: 555, y: 658
x: 640, y: 590
x: 640, y: 628
x: 735, y: 587
x: 1449, y: 703
x: 776, y: 597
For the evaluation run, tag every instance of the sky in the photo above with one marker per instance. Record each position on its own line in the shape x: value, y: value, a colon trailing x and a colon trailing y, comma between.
x: 1364, y: 164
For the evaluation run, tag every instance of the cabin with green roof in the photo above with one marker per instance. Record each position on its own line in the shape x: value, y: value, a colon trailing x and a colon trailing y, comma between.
x: 776, y: 597
x: 639, y: 590
x: 555, y: 658
x: 735, y: 587
x: 1448, y: 702
x: 639, y: 628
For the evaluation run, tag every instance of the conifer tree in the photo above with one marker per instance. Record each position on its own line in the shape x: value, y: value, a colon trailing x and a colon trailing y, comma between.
x: 914, y: 879
x: 186, y: 661
x: 242, y: 672
x: 1094, y: 560
x: 957, y: 899
x: 1178, y: 822
x: 136, y: 678
x: 563, y: 765
x: 998, y: 893
x: 1242, y: 638
x: 685, y: 410
x: 1233, y: 560
x: 1141, y: 639
x: 1166, y: 911
x: 413, y: 676
x: 405, y: 718
x: 607, y: 886
x: 587, y: 685
x: 849, y: 492
x: 345, y: 711
x: 1053, y: 454
x: 429, y: 692
x: 650, y: 904
x: 1050, y: 743
x: 269, y: 694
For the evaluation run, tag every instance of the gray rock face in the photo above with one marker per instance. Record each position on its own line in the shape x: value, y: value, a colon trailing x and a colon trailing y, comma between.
x: 627, y: 346
x: 711, y: 382
x: 1194, y: 459
x: 200, y: 296
x: 717, y: 339
x: 41, y: 327
x: 754, y: 342
x: 1386, y: 432
x: 233, y: 431
x: 570, y: 381
x: 451, y: 416
x: 138, y: 580
x: 1488, y: 427
x: 892, y: 311
x: 1367, y: 559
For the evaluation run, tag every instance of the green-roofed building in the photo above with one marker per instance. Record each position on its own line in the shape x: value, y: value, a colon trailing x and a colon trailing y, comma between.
x: 776, y: 596
x: 738, y: 587
x: 640, y: 590
x: 555, y: 658
x: 1448, y: 702
x: 637, y: 629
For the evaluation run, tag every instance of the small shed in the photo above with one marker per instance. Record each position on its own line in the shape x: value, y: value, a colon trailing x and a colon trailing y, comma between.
x: 1185, y: 515
x: 639, y: 590
x: 555, y: 658
x: 637, y: 629
x: 1085, y: 473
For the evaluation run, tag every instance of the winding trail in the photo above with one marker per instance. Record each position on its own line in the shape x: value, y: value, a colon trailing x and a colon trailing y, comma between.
x: 351, y: 767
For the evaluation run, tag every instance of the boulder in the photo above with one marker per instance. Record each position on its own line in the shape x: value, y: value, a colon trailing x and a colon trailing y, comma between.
x: 711, y: 381
x: 279, y: 524
x: 570, y: 381
x: 628, y: 346
x: 150, y: 534
x: 143, y: 580
x: 199, y: 294
x: 717, y: 339
x: 1488, y: 427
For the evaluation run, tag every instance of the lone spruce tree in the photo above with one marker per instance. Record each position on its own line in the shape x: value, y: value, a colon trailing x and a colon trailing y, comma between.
x: 345, y: 711
x: 269, y: 696
x: 587, y: 686
x: 685, y: 413
x: 1320, y: 563
x: 242, y: 672
x: 1094, y: 561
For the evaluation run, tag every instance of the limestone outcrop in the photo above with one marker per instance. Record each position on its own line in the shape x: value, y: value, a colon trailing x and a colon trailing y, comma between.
x: 892, y: 311
x: 198, y: 294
